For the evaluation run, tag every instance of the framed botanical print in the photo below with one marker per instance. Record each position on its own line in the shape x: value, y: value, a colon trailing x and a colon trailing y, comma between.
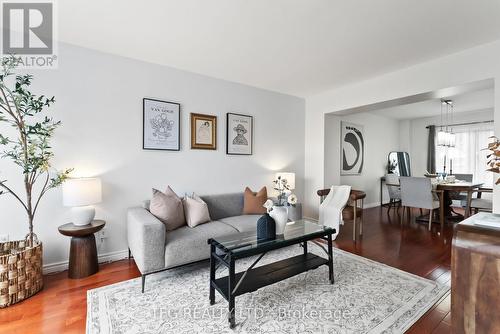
x: 203, y: 132
x: 161, y: 125
x: 239, y: 134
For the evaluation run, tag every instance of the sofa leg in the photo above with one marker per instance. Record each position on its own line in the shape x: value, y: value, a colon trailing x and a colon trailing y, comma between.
x: 143, y: 282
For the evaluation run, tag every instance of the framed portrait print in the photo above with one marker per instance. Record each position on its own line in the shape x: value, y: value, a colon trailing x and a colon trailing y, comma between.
x: 161, y: 125
x: 203, y: 132
x: 239, y: 134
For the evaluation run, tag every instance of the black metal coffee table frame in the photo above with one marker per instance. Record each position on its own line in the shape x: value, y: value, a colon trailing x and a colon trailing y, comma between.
x: 235, y: 284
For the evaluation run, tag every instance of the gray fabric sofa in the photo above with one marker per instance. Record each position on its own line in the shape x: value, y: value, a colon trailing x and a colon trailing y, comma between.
x: 154, y: 249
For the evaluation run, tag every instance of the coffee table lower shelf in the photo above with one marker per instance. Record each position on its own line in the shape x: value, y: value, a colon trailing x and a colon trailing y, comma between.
x: 269, y: 274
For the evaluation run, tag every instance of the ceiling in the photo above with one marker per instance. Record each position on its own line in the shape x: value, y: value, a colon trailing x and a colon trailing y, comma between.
x: 299, y: 47
x: 466, y: 102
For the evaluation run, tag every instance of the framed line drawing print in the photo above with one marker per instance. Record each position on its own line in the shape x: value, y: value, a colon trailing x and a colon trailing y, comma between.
x: 239, y: 134
x: 203, y: 132
x: 161, y: 125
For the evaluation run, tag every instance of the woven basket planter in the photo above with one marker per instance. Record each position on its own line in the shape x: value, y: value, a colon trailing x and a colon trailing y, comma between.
x: 20, y: 271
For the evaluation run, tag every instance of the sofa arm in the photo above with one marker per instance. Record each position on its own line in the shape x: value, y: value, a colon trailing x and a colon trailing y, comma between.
x: 146, y: 240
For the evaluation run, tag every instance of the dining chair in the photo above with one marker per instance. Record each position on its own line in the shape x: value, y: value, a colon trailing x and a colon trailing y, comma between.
x: 461, y: 196
x: 480, y: 203
x: 394, y: 190
x: 417, y: 192
x: 464, y: 177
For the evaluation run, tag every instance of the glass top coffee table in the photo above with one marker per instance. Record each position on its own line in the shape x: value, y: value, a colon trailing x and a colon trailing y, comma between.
x: 226, y: 250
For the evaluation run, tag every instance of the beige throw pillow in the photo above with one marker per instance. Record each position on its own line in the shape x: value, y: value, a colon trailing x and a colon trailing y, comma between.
x: 196, y: 210
x: 168, y: 208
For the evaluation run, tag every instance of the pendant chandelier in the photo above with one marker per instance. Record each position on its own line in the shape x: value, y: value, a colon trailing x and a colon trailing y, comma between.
x: 445, y: 136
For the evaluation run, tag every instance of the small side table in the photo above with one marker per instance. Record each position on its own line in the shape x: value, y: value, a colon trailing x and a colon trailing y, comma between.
x: 83, y: 251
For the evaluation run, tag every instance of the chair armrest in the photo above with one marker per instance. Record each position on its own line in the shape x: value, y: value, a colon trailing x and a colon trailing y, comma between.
x: 479, y: 191
x: 146, y: 239
x: 323, y: 192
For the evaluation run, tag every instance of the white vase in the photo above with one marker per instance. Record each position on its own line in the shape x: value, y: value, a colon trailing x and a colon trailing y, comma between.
x: 280, y: 216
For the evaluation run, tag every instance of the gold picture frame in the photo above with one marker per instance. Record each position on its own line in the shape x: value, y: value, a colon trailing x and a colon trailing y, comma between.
x: 203, y: 132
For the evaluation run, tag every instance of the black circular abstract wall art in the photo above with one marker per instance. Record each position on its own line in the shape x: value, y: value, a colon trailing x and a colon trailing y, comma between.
x: 353, y: 148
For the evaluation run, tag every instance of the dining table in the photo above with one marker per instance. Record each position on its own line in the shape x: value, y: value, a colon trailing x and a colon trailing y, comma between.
x: 456, y: 187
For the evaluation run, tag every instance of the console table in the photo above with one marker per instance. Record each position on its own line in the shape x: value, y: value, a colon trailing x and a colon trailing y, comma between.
x: 475, y: 275
x: 83, y: 251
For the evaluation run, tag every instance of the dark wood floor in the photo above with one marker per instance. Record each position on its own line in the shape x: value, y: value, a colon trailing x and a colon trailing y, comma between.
x: 61, y: 307
x: 412, y: 248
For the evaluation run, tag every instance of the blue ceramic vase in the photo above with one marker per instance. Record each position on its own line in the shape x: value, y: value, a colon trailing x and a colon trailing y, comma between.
x: 266, y: 228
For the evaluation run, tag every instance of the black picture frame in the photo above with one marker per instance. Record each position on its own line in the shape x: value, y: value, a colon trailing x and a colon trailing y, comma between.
x: 230, y: 151
x: 178, y: 128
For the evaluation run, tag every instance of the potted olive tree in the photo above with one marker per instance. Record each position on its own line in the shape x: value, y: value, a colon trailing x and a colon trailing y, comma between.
x: 25, y: 134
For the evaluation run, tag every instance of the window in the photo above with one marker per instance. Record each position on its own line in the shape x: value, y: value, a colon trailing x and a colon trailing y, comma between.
x: 468, y: 155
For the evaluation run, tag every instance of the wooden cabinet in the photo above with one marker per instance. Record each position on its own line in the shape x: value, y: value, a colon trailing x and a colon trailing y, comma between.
x: 475, y: 267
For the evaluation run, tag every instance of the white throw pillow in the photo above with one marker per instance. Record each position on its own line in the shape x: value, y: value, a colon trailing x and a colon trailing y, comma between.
x: 196, y: 210
x: 168, y: 208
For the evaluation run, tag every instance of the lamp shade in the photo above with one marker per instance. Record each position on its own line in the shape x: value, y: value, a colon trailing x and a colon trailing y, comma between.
x: 452, y: 139
x: 82, y: 192
x: 289, y: 177
x: 442, y: 138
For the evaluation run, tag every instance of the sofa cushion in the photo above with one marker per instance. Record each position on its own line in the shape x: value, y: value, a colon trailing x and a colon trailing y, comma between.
x: 186, y: 244
x: 168, y: 208
x: 224, y: 205
x: 254, y: 202
x: 243, y: 223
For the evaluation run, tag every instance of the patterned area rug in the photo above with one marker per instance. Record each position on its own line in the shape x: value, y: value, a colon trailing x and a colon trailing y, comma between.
x: 367, y: 297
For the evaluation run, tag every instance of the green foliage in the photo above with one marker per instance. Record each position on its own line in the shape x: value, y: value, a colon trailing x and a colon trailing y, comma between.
x: 30, y: 148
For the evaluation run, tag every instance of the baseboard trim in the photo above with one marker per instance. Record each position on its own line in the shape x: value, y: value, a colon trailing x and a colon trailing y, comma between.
x: 365, y: 206
x: 102, y: 258
x: 371, y: 205
x: 123, y: 254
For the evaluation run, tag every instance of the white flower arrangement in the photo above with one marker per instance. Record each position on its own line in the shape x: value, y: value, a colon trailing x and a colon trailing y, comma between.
x: 285, y: 195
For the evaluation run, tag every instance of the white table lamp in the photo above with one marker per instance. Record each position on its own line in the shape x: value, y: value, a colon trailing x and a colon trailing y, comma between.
x: 289, y: 177
x: 80, y: 194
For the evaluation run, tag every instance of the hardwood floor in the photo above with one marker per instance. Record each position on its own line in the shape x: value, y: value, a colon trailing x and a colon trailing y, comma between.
x: 409, y: 247
x: 61, y: 307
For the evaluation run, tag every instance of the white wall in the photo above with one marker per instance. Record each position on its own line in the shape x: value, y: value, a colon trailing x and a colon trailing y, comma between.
x: 381, y: 137
x: 99, y: 100
x: 417, y: 135
x: 471, y: 65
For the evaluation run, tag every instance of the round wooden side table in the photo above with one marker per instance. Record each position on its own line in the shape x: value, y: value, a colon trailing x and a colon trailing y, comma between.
x: 83, y: 251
